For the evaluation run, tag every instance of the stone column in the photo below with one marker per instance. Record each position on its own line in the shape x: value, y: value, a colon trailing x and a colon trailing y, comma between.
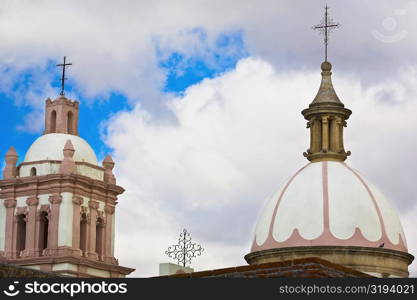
x: 315, y: 136
x: 108, y: 235
x: 91, y: 245
x: 100, y: 230
x: 338, y: 122
x: 334, y: 139
x: 53, y: 229
x: 37, y: 233
x: 31, y: 247
x: 310, y: 124
x: 341, y: 144
x: 10, y: 205
x: 325, y: 133
x: 76, y: 221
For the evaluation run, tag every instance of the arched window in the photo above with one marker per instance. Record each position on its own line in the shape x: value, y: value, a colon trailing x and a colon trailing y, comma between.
x: 69, y: 123
x: 53, y: 121
x: 99, y: 237
x: 83, y: 233
x: 33, y: 171
x: 20, y: 234
x: 43, y: 231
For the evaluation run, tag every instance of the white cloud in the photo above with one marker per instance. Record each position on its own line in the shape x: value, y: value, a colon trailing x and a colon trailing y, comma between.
x: 236, y: 139
x: 112, y: 44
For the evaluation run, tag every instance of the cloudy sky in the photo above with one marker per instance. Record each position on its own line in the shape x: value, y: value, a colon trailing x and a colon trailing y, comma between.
x: 199, y: 103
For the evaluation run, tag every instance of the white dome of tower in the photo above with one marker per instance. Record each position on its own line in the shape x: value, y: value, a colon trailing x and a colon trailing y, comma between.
x: 49, y: 147
x: 46, y: 155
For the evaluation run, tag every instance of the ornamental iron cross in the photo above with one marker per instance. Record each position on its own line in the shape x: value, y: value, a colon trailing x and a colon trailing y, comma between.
x: 63, y: 75
x: 185, y: 250
x: 325, y: 27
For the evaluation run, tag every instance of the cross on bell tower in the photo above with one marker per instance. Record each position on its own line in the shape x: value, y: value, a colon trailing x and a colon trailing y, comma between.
x: 325, y: 27
x: 61, y: 114
x: 63, y: 75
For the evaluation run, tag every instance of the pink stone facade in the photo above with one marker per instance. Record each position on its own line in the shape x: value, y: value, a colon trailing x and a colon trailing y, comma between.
x: 33, y: 235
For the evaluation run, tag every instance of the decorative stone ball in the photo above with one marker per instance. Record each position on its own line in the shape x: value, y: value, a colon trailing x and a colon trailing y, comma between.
x: 326, y: 66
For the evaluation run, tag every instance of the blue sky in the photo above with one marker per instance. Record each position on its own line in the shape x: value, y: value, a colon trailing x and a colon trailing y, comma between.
x: 181, y: 72
x: 199, y: 103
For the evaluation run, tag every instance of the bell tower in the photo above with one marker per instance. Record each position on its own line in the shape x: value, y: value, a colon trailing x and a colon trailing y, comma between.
x: 61, y: 116
x: 57, y: 206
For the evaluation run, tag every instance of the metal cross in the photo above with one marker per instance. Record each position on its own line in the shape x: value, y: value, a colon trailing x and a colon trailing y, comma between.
x: 63, y: 75
x: 185, y: 250
x: 325, y: 27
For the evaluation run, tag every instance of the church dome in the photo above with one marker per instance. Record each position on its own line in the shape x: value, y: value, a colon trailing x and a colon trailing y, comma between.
x: 50, y: 146
x: 328, y: 204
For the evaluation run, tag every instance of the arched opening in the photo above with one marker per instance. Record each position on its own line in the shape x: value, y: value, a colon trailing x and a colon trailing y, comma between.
x: 43, y: 231
x: 20, y: 234
x: 69, y: 123
x: 99, y: 237
x: 33, y: 171
x: 83, y: 233
x: 53, y: 121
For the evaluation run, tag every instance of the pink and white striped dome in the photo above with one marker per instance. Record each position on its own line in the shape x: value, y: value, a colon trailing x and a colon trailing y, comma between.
x: 328, y: 203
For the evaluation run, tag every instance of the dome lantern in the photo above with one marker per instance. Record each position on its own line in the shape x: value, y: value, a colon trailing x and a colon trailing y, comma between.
x: 326, y: 117
x: 61, y: 116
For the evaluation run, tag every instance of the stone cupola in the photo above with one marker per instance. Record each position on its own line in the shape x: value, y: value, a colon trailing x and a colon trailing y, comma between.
x: 61, y: 116
x: 57, y: 206
x: 326, y: 117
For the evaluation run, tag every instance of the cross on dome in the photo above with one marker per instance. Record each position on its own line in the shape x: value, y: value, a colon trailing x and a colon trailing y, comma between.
x: 325, y: 27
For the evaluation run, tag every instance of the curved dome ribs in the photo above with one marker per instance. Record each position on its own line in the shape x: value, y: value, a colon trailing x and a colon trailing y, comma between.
x: 328, y: 236
x: 279, y: 201
x: 378, y: 211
